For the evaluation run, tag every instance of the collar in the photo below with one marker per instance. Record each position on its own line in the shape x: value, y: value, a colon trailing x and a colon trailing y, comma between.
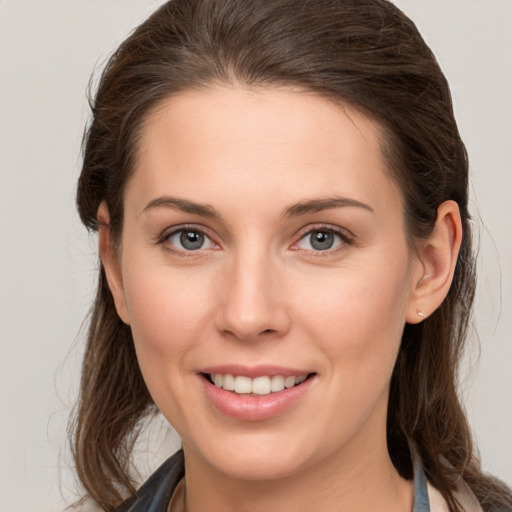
x: 156, y: 493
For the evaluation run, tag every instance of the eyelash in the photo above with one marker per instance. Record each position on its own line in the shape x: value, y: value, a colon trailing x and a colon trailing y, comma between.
x: 165, y: 237
x: 345, y: 239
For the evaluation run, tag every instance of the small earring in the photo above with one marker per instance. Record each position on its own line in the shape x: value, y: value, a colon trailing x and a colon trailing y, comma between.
x: 420, y: 314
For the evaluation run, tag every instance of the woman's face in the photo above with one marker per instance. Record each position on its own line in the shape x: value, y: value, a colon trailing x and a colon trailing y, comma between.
x: 264, y: 244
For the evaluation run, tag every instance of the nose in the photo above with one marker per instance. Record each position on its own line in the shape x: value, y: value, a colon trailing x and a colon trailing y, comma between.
x: 252, y: 299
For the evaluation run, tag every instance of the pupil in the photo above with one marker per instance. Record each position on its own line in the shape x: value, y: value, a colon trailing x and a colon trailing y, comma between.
x: 321, y: 240
x: 192, y: 240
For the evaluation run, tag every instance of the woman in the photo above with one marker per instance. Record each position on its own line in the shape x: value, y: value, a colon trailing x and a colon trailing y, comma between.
x: 280, y: 192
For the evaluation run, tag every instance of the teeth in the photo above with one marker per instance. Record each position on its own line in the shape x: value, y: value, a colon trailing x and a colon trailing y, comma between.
x: 289, y: 382
x: 301, y: 379
x: 228, y: 382
x: 277, y: 383
x: 259, y: 386
x: 243, y: 385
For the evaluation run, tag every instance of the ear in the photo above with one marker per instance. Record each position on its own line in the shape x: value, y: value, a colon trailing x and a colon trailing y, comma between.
x: 111, y: 263
x: 437, y: 258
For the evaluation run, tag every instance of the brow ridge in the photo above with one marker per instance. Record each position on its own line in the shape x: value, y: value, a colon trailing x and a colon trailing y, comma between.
x: 318, y: 205
x: 183, y: 205
x: 295, y: 210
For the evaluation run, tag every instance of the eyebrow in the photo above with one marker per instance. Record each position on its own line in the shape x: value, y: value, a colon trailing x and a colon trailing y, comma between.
x: 318, y: 205
x: 295, y: 210
x: 183, y: 205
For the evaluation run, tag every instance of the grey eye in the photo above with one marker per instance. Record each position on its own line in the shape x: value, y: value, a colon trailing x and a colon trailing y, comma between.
x: 188, y: 239
x: 191, y: 240
x: 321, y: 240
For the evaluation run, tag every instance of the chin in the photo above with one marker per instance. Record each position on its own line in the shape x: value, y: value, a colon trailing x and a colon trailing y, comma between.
x: 257, y: 467
x: 258, y: 457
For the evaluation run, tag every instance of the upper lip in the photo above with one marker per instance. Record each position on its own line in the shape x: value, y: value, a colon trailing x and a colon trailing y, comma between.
x: 254, y: 371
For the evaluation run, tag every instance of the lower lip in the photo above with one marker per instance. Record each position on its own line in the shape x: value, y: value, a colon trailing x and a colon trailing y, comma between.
x: 252, y: 407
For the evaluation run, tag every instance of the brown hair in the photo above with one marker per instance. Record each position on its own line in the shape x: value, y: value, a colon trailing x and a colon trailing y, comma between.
x: 363, y: 52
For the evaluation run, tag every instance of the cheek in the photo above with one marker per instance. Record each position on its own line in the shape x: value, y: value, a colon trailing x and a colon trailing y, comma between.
x: 168, y: 316
x: 356, y: 322
x: 168, y: 310
x: 358, y: 314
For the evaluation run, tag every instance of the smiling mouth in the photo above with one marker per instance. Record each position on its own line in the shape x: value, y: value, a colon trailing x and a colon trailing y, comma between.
x: 259, y: 386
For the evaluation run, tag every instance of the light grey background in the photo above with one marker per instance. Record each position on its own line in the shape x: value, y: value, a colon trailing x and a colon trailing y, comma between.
x: 48, y: 50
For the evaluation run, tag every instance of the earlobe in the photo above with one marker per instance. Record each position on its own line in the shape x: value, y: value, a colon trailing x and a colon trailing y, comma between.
x: 437, y: 258
x: 110, y: 262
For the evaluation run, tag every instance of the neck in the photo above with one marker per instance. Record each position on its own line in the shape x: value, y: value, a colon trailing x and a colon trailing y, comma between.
x: 356, y: 480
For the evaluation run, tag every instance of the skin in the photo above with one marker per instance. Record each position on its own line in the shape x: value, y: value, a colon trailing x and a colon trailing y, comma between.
x: 257, y: 292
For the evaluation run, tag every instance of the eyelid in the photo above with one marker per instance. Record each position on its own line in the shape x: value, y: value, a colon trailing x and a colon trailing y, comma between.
x: 346, y: 236
x: 169, y: 232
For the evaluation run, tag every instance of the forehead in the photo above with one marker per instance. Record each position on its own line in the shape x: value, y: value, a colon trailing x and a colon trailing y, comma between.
x: 272, y: 143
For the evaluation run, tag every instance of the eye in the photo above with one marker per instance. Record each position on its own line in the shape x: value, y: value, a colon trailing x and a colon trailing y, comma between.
x: 321, y: 239
x: 189, y: 239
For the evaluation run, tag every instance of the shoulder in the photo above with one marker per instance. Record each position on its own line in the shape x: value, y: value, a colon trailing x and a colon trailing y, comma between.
x: 155, y: 494
x: 465, y: 497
